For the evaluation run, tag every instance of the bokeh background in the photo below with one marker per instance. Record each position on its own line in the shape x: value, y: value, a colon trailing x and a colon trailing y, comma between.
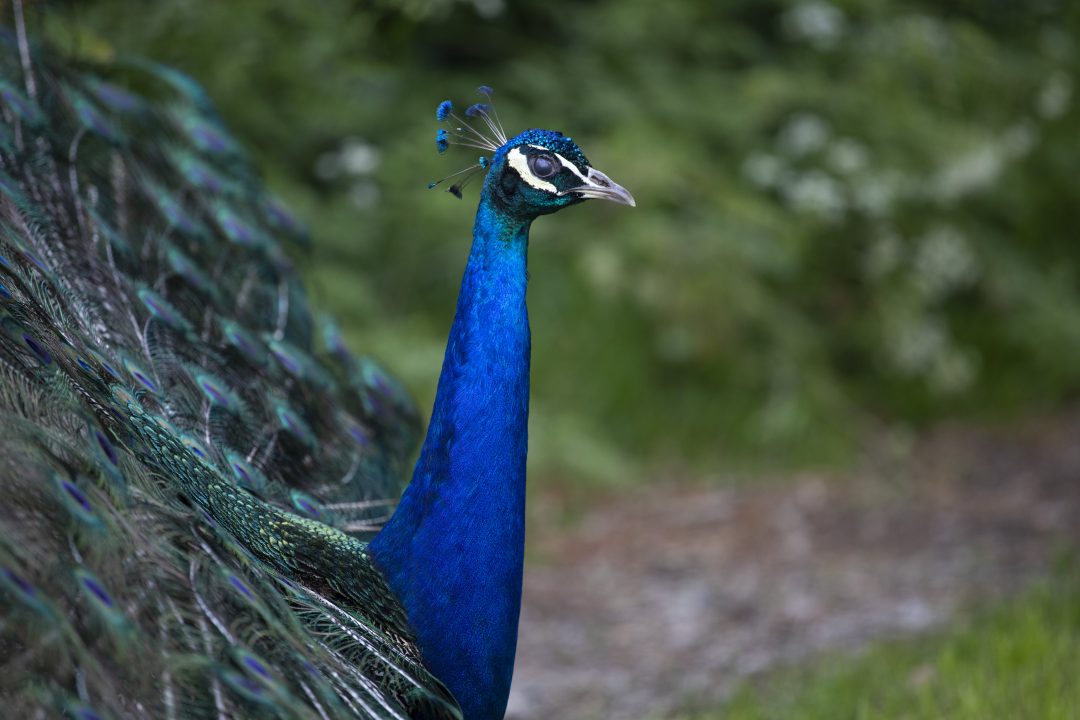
x: 812, y: 396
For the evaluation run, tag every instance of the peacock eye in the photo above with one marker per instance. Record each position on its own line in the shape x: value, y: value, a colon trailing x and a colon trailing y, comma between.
x: 543, y: 166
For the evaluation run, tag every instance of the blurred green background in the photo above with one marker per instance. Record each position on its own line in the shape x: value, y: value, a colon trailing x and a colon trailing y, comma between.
x: 851, y: 215
x: 856, y: 219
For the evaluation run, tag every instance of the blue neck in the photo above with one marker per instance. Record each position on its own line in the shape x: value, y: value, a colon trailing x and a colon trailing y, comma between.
x: 453, y: 551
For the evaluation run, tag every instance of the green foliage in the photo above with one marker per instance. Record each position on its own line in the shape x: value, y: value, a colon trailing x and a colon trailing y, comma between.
x: 847, y: 210
x: 1018, y: 661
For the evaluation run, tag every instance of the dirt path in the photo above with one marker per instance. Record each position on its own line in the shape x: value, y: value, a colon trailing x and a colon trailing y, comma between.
x: 671, y: 595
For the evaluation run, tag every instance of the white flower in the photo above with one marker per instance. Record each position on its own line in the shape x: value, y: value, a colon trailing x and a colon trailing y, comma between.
x: 876, y: 194
x: 847, y: 156
x: 816, y: 192
x: 971, y: 172
x: 915, y: 344
x: 819, y: 23
x: 355, y: 157
x: 944, y: 262
x: 803, y: 134
x: 763, y: 170
x: 358, y: 157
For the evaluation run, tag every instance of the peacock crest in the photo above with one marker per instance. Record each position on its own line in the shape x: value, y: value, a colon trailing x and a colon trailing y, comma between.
x: 461, y: 132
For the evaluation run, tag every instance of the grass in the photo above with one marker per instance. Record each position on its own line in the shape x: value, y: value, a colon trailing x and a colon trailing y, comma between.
x: 1018, y: 660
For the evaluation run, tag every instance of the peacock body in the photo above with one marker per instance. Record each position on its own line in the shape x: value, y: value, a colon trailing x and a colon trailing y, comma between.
x: 196, y: 470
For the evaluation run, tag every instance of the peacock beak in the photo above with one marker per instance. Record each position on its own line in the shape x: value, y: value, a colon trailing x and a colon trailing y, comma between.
x: 600, y: 186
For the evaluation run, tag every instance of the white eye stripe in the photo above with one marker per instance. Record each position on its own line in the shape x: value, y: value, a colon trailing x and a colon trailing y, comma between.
x: 517, y: 160
x: 571, y: 167
x: 520, y: 163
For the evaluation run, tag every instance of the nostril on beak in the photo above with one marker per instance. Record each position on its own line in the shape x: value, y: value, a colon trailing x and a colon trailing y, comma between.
x: 598, y: 178
x: 599, y: 185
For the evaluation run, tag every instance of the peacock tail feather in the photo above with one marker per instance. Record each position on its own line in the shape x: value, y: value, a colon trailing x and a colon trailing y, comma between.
x: 190, y: 462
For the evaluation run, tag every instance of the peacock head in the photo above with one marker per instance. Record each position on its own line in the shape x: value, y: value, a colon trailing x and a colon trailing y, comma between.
x: 534, y: 173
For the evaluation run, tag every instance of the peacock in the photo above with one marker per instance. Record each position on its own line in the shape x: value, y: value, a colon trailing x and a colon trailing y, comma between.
x: 200, y: 514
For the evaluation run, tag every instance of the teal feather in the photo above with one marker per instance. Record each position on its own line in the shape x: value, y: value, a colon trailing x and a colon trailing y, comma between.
x: 104, y: 605
x: 247, y: 476
x: 161, y: 309
x: 279, y: 218
x: 21, y: 106
x: 244, y: 342
x: 201, y: 175
x: 75, y: 501
x: 114, y: 97
x: 173, y: 438
x: 19, y: 590
x: 176, y: 216
x: 186, y: 268
x: 94, y: 120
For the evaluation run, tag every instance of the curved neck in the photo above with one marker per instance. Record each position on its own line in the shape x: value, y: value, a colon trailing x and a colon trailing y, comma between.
x: 453, y: 551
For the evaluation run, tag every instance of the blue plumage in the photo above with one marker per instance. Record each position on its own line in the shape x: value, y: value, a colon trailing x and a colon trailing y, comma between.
x: 453, y: 550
